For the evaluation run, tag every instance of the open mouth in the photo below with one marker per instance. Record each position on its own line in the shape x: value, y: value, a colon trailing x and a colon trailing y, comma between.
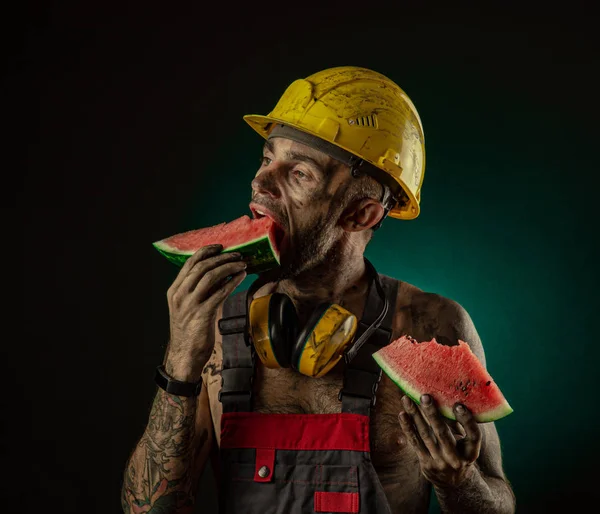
x: 259, y: 211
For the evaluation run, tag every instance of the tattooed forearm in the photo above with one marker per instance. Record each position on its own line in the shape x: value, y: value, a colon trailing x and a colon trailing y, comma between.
x: 477, y: 494
x: 212, y: 370
x: 160, y: 474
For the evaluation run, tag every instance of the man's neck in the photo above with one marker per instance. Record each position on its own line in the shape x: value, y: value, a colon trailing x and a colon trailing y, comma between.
x: 342, y: 280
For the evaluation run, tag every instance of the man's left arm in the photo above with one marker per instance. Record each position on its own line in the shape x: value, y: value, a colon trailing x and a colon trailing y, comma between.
x: 465, y: 464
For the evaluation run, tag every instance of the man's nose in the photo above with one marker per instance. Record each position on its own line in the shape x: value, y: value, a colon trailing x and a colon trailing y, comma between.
x: 266, y: 181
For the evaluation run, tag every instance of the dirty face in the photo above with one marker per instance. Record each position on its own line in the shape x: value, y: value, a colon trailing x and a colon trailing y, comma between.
x: 301, y: 189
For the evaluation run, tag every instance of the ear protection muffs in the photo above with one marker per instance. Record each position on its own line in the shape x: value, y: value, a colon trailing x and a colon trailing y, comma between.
x: 315, y: 348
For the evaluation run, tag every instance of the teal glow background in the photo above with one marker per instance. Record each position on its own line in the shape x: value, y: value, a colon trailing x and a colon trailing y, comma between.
x: 134, y: 132
x: 507, y: 226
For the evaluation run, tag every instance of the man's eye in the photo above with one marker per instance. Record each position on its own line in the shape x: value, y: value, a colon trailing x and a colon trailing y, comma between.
x: 300, y: 174
x: 265, y: 161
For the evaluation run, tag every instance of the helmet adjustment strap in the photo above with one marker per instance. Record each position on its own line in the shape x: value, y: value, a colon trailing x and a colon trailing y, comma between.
x: 387, y: 199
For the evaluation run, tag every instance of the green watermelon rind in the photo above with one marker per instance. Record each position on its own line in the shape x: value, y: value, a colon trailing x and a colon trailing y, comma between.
x: 259, y: 253
x: 483, y: 417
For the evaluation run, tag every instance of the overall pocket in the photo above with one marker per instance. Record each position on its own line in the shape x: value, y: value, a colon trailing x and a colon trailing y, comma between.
x: 336, y: 489
x: 293, y: 489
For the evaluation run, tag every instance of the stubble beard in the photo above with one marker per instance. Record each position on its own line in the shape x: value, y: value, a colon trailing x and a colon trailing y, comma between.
x: 312, y: 247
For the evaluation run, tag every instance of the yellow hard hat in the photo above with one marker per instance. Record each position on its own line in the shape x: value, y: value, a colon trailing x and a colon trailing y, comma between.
x: 365, y: 114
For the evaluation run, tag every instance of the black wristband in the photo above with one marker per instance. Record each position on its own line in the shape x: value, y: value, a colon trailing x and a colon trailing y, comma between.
x: 176, y: 387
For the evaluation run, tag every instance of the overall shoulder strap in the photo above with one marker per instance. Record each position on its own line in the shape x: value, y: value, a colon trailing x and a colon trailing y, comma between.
x: 238, y: 357
x: 362, y: 374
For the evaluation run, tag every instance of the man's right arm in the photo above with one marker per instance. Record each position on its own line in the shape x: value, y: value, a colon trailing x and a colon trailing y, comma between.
x: 166, y: 465
x: 163, y: 471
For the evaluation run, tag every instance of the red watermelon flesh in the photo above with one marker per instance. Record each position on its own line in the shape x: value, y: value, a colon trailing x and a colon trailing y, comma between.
x: 258, y: 240
x: 450, y: 374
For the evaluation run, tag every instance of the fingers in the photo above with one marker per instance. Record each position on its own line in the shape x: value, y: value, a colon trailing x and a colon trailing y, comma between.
x: 412, y: 436
x: 201, y: 254
x: 446, y: 441
x: 209, y: 266
x: 422, y: 428
x: 219, y: 294
x: 213, y: 280
x: 458, y: 432
x: 443, y: 460
x: 472, y: 440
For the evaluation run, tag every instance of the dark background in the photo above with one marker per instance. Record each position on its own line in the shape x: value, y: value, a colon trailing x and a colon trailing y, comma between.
x: 134, y: 131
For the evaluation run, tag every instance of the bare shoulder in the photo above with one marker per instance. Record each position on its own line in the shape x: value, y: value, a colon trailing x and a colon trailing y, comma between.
x: 433, y: 315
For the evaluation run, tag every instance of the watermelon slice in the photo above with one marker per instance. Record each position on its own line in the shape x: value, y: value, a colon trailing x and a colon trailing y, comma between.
x: 257, y: 240
x: 450, y: 374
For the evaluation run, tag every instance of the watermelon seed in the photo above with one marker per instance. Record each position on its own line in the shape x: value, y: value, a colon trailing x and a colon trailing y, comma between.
x: 467, y: 393
x: 488, y: 383
x: 464, y: 388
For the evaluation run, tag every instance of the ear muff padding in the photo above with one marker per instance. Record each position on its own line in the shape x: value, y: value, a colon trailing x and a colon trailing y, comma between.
x: 283, y: 327
x: 300, y: 340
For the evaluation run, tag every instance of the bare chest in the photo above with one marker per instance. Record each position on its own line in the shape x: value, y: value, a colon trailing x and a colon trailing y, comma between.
x: 284, y: 391
x: 288, y: 392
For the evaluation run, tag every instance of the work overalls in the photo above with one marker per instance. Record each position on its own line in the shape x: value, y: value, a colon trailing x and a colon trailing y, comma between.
x: 300, y: 463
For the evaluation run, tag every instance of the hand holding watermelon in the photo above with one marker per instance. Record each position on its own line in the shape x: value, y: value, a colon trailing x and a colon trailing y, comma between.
x: 446, y: 458
x: 206, y: 279
x: 450, y: 382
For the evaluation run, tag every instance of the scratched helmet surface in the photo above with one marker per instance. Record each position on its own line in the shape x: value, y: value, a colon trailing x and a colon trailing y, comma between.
x: 364, y: 113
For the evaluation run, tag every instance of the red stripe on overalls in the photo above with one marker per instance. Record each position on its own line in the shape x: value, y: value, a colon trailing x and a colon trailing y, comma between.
x: 269, y: 432
x: 295, y: 431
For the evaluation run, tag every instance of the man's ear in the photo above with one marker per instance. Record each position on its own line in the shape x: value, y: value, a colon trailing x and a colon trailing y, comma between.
x: 361, y: 215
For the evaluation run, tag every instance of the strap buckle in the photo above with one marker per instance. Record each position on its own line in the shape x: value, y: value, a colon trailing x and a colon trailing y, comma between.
x: 237, y: 381
x: 231, y: 393
x: 232, y: 325
x: 357, y: 382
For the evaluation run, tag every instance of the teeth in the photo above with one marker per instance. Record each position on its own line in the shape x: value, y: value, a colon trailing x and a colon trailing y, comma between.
x: 260, y: 212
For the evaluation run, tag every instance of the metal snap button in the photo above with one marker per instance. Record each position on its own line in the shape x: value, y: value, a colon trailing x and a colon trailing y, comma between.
x: 263, y: 472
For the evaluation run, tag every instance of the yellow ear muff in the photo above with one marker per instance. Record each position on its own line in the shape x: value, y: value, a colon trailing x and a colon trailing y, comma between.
x: 320, y: 346
x: 259, y: 331
x: 273, y: 328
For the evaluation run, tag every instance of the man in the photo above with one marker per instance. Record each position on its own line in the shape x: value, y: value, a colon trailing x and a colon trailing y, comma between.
x: 344, y: 148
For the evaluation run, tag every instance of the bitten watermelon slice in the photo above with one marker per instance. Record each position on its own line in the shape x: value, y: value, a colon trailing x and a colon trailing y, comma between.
x: 450, y: 374
x: 257, y: 240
